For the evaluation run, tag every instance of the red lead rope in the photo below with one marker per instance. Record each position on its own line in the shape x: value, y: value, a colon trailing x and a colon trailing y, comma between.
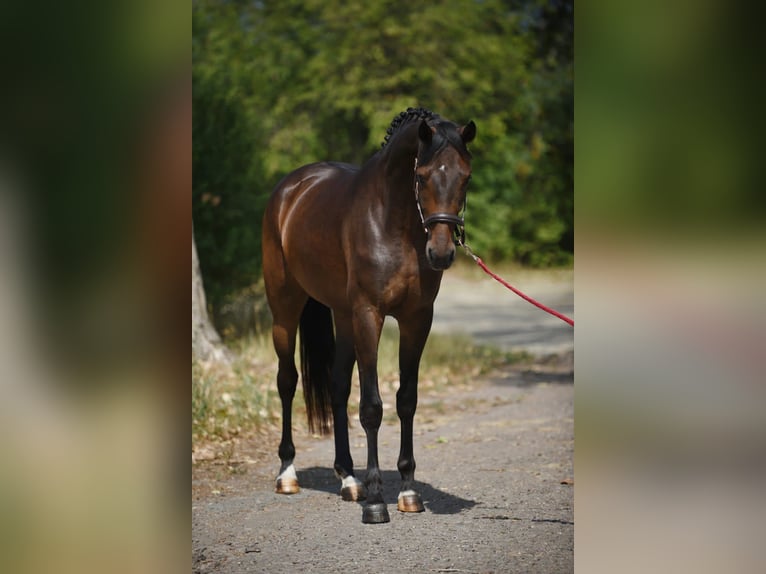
x: 481, y: 264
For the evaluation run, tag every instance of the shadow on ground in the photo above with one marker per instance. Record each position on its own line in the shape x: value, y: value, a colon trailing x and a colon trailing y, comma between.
x: 435, y: 500
x: 531, y: 378
x: 551, y: 370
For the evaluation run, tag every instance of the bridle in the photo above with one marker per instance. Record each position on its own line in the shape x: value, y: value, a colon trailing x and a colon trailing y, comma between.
x: 440, y: 217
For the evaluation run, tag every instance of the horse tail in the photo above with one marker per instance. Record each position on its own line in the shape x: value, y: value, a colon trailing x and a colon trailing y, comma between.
x: 317, y: 353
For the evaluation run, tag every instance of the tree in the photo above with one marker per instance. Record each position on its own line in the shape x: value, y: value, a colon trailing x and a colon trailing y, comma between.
x: 206, y: 343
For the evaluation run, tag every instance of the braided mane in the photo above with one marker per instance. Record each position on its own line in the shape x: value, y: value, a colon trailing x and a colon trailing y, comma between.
x: 403, y: 117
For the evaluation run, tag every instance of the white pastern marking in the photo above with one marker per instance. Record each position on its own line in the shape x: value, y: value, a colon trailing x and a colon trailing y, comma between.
x: 351, y: 481
x: 289, y: 473
x: 404, y: 493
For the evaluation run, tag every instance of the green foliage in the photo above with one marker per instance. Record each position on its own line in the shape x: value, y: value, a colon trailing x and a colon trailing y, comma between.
x: 281, y: 84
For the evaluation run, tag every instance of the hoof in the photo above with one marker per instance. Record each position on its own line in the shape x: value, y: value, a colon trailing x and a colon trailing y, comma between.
x: 409, y: 501
x: 287, y: 481
x: 353, y: 489
x: 287, y: 486
x: 375, y: 513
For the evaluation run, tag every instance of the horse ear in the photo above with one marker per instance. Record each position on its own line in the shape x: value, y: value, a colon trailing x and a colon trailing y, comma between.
x: 425, y: 133
x: 468, y: 132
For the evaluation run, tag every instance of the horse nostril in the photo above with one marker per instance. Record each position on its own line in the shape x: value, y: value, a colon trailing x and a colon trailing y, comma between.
x: 430, y: 253
x: 452, y: 256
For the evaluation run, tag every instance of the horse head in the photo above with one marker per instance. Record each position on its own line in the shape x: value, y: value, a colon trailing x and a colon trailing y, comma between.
x: 442, y: 173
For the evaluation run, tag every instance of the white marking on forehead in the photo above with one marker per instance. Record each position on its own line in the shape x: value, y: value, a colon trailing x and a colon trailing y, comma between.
x: 442, y: 167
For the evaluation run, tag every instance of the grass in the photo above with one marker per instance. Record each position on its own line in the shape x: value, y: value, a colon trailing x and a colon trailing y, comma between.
x: 228, y: 400
x: 241, y: 398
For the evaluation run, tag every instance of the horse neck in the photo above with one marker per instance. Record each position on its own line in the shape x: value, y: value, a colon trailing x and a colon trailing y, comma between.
x: 397, y: 195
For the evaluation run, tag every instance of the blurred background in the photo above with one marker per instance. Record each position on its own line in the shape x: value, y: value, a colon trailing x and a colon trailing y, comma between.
x: 670, y: 244
x: 95, y: 175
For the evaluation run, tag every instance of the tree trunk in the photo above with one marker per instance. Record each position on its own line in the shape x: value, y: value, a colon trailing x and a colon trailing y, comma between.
x: 206, y: 343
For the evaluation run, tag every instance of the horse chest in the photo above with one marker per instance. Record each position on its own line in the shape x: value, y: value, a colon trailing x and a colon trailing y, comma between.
x: 398, y: 280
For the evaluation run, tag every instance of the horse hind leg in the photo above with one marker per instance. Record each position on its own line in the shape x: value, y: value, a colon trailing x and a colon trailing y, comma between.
x: 287, y: 381
x: 367, y: 327
x: 286, y: 306
x: 286, y: 300
x: 352, y: 489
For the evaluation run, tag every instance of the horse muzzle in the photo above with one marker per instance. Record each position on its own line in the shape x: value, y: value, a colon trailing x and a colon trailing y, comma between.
x: 440, y: 248
x: 440, y: 262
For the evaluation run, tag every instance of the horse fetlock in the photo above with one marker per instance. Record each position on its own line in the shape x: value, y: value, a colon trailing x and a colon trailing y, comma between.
x: 286, y: 454
x: 352, y: 489
x: 406, y: 466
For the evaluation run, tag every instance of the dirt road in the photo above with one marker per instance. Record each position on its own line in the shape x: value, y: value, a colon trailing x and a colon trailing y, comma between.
x: 495, y: 468
x: 480, y: 306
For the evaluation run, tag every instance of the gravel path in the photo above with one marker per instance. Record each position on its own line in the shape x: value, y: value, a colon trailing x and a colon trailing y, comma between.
x: 495, y: 469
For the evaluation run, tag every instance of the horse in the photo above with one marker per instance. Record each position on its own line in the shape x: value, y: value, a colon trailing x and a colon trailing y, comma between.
x: 349, y: 245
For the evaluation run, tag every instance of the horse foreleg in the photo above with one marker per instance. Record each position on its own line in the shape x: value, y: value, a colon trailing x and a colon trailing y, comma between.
x: 413, y: 334
x: 367, y: 326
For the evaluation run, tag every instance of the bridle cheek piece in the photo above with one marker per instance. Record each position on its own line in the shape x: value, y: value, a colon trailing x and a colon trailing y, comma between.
x: 440, y: 217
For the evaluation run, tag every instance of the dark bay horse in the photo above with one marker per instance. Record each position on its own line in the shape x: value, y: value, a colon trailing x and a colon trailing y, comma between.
x: 352, y: 245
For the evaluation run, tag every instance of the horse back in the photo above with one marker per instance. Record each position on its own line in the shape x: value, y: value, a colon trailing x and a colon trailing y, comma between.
x: 312, y: 198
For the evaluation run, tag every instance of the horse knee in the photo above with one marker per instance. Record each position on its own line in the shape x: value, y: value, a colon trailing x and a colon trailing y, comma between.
x: 406, y: 402
x: 371, y: 414
x: 406, y: 411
